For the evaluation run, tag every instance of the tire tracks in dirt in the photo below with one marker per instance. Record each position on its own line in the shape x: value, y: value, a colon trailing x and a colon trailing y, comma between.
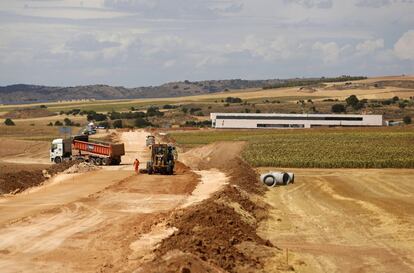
x: 349, y: 221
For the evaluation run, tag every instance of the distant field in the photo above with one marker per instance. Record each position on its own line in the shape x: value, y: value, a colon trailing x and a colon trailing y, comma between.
x: 316, y: 148
x: 252, y: 95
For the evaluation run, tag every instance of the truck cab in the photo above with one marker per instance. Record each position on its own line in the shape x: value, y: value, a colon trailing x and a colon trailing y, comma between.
x: 60, y: 149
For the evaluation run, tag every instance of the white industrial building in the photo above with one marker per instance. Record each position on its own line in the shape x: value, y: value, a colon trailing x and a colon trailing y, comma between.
x: 251, y: 121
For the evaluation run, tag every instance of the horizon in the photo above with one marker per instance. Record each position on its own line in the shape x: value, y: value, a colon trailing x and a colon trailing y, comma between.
x: 181, y: 81
x: 134, y: 43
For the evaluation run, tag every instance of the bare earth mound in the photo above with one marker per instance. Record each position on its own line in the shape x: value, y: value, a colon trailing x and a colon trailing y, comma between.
x: 212, y: 236
x: 12, y: 181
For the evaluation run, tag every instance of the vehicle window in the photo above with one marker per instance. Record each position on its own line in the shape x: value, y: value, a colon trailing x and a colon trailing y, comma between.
x: 54, y: 147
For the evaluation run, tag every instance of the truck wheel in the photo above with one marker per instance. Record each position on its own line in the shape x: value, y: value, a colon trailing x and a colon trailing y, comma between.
x: 106, y: 161
x: 149, y: 167
x: 98, y: 161
x: 169, y: 170
x: 58, y: 160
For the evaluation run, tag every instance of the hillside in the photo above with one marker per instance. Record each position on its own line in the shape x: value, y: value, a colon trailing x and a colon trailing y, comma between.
x: 22, y: 93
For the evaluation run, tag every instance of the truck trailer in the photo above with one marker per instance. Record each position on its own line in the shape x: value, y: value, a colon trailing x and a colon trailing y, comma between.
x: 81, y: 148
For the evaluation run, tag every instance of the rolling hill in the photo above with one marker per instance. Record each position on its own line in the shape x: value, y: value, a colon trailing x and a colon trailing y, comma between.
x: 23, y: 93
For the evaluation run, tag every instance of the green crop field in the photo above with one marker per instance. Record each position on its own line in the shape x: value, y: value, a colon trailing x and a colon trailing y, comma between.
x: 316, y: 148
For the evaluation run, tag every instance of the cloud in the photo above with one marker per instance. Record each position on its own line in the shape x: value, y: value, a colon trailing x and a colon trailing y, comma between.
x: 404, y: 47
x: 89, y: 42
x: 380, y: 3
x: 278, y: 48
x: 369, y: 46
x: 321, y: 4
x: 330, y: 51
x: 177, y: 8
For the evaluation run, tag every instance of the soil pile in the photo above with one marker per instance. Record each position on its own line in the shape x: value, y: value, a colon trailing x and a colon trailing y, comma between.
x: 15, y: 182
x: 210, y: 233
x: 307, y: 89
x: 82, y: 167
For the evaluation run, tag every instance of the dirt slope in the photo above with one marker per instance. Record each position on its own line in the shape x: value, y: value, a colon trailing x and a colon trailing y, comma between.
x: 22, y: 151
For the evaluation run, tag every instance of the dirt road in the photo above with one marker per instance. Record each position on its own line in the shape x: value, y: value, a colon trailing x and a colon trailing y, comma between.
x: 96, y: 221
x: 345, y: 220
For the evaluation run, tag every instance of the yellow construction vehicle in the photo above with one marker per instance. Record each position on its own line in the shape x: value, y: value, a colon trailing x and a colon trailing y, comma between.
x: 163, y: 157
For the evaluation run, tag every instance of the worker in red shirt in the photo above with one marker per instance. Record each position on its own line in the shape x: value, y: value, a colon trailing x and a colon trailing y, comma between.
x: 136, y: 165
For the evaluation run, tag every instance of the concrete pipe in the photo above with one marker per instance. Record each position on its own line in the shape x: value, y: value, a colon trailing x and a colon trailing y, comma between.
x: 281, y: 178
x: 269, y: 180
x: 291, y: 178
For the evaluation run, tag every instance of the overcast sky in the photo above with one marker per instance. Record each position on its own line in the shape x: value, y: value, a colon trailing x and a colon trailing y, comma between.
x: 144, y: 42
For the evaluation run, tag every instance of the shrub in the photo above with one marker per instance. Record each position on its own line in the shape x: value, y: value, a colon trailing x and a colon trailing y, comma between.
x: 407, y: 120
x: 141, y: 123
x: 352, y: 101
x: 117, y: 123
x: 338, y: 108
x: 68, y: 122
x: 58, y: 123
x: 50, y: 124
x: 192, y: 123
x: 9, y: 122
x: 154, y: 111
x: 92, y: 115
x: 97, y: 117
x: 43, y: 106
x: 193, y: 110
x: 402, y: 105
x: 359, y: 105
x: 233, y: 100
x: 104, y: 124
x: 169, y: 106
x: 73, y: 112
x: 387, y: 102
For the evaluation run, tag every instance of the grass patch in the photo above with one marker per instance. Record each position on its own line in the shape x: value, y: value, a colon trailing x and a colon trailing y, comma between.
x: 316, y: 148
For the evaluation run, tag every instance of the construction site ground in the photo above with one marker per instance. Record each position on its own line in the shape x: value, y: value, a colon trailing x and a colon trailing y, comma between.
x: 211, y: 216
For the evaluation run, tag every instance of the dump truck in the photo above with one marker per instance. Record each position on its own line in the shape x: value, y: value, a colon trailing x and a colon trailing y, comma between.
x: 83, y: 149
x: 163, y: 157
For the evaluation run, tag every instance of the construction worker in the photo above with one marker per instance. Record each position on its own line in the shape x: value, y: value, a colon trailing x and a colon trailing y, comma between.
x: 136, y: 165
